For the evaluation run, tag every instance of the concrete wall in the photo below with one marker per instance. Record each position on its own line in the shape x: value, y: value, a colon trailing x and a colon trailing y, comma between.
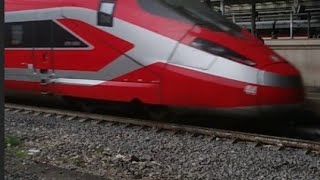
x: 304, y: 54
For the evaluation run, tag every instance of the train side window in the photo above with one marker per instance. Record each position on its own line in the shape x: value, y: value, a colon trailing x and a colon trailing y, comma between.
x: 18, y: 35
x: 64, y: 39
x: 42, y: 34
x: 105, y: 13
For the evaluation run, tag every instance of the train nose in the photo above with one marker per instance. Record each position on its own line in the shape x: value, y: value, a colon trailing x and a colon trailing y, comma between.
x: 282, y: 75
x: 280, y: 86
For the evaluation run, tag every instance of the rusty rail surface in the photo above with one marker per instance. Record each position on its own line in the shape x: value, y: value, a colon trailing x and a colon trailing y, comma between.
x: 232, y: 135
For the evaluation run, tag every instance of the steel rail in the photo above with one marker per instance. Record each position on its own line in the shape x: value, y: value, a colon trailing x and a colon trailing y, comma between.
x: 215, y: 133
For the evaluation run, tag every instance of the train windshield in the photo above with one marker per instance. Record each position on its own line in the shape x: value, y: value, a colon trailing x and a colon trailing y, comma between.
x: 192, y: 11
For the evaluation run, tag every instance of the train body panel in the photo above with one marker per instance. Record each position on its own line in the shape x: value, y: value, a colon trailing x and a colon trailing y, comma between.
x: 98, y: 50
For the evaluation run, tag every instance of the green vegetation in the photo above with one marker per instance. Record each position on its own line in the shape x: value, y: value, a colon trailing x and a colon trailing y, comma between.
x: 78, y: 162
x: 12, y: 141
x: 19, y: 153
x: 99, y: 151
x: 12, y: 144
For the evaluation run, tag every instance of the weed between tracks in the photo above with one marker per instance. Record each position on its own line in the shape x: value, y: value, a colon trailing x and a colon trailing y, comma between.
x: 13, y: 147
x: 12, y: 141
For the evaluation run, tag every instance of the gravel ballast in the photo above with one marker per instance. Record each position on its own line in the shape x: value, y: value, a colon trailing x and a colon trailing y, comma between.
x: 120, y: 152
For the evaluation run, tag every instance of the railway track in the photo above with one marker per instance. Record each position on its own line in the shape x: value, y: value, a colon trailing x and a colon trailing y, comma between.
x: 233, y: 136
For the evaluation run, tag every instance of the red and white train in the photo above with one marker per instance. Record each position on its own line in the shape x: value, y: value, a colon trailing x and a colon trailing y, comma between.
x: 162, y: 53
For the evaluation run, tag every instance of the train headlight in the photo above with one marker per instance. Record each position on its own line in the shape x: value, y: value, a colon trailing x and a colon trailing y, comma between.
x: 219, y: 50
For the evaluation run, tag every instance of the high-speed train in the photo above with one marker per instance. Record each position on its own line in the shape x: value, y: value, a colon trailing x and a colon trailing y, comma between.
x: 161, y: 53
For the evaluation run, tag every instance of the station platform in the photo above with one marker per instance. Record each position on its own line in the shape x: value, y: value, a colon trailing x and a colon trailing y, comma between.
x: 313, y: 93
x: 313, y: 99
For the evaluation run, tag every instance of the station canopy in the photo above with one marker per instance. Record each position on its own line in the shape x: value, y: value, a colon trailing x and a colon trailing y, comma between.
x: 302, y: 16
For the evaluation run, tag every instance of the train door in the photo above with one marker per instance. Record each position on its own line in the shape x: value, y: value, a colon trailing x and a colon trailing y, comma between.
x: 19, y: 72
x: 42, y: 54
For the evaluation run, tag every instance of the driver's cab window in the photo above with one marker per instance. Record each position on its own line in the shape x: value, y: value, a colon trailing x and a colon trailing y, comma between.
x: 105, y: 13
